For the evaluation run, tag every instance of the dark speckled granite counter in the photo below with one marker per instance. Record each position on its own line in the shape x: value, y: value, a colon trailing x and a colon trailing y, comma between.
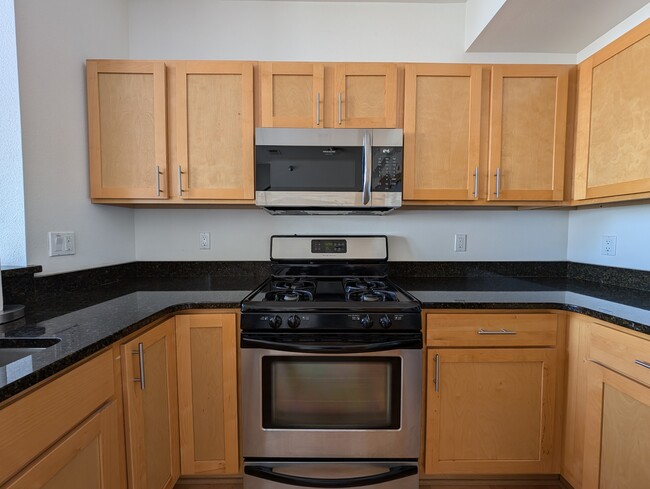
x: 88, y: 320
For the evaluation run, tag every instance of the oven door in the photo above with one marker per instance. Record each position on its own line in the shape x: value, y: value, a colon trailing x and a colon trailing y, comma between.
x: 334, y: 401
x: 287, y: 475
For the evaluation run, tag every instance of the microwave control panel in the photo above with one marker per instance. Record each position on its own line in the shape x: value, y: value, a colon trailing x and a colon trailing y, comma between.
x: 387, y: 169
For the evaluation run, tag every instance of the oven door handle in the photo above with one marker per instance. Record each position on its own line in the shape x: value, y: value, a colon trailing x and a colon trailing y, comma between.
x: 393, y: 473
x: 409, y: 343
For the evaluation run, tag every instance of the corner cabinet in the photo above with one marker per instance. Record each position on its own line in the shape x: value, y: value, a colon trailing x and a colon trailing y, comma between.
x: 207, y: 369
x: 492, y: 389
x: 336, y: 95
x: 617, y: 423
x: 151, y: 408
x: 214, y: 130
x: 528, y: 124
x: 127, y: 129
x: 613, y: 138
x: 442, y: 132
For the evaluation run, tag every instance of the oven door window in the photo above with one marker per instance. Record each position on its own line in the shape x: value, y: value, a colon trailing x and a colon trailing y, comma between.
x: 309, y: 169
x: 331, y: 393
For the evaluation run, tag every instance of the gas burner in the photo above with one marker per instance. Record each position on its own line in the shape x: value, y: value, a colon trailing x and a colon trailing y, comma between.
x: 293, y: 284
x: 364, y: 290
x: 291, y: 295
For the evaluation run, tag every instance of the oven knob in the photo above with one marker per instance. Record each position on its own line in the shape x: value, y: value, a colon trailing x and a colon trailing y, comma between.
x: 366, y: 322
x: 293, y: 321
x: 385, y: 321
x: 275, y: 322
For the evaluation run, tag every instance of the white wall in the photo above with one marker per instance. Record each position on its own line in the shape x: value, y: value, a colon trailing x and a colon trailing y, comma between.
x: 54, y: 39
x: 242, y: 234
x: 12, y: 202
x: 630, y: 225
x: 307, y: 31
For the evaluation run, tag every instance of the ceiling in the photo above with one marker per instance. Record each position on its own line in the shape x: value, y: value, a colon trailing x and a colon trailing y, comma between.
x: 550, y: 26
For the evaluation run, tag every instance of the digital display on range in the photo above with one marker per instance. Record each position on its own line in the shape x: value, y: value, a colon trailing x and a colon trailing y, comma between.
x: 329, y: 246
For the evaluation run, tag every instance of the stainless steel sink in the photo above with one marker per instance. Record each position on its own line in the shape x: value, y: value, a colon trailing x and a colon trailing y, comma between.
x: 12, y: 349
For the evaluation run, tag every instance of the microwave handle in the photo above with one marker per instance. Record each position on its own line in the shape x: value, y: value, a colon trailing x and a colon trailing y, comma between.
x: 393, y: 473
x: 367, y: 166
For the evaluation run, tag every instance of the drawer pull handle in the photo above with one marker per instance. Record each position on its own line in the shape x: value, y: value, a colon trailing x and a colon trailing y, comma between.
x: 643, y: 364
x: 502, y: 331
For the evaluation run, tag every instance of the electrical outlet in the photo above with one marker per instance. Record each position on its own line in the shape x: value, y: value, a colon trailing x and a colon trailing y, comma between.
x: 61, y: 243
x: 204, y: 241
x: 460, y: 242
x: 608, y: 246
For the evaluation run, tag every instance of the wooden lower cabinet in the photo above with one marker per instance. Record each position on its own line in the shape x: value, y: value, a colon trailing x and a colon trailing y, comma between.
x: 490, y: 411
x: 207, y: 393
x: 617, y: 431
x: 87, y: 457
x: 151, y: 408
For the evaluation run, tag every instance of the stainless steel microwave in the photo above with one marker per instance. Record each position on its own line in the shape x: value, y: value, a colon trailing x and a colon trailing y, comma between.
x: 328, y: 171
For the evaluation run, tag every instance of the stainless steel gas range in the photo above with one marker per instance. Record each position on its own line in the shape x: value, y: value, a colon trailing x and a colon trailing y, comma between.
x: 331, y: 366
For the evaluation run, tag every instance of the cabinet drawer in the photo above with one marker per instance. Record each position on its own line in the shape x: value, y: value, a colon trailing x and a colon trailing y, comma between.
x: 622, y: 352
x: 33, y: 423
x: 491, y: 330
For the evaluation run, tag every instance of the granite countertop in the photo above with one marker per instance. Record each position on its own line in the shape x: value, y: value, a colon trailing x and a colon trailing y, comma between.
x: 90, y: 320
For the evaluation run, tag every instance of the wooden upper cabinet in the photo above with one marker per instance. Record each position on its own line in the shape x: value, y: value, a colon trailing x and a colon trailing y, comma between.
x: 126, y: 129
x: 528, y: 123
x: 613, y: 134
x: 442, y: 126
x: 365, y: 95
x: 214, y: 132
x: 292, y: 94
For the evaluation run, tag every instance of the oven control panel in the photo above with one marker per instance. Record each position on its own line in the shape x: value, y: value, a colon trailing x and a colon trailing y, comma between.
x: 300, y: 321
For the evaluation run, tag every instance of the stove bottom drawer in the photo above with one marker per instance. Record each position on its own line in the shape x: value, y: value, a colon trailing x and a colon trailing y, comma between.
x: 331, y: 474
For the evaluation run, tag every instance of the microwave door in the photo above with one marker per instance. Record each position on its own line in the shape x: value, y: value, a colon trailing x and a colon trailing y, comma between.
x: 310, y: 176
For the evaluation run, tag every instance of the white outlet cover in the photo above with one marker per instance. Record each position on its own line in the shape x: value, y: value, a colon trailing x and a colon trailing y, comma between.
x: 61, y: 243
x: 608, y: 246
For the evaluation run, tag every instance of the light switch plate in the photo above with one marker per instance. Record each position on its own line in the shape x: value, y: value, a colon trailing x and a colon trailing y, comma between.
x: 61, y: 243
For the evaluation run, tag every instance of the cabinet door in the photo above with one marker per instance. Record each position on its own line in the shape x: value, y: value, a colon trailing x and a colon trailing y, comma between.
x: 527, y: 132
x: 490, y: 411
x: 365, y: 95
x: 87, y: 457
x: 613, y: 138
x: 617, y: 431
x: 207, y: 373
x: 292, y: 94
x: 214, y: 130
x: 151, y: 408
x: 126, y: 129
x: 442, y: 126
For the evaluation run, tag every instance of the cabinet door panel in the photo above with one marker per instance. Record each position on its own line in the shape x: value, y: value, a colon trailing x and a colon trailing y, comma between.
x: 528, y: 132
x: 126, y: 117
x: 152, y: 412
x: 207, y: 369
x: 366, y: 95
x: 88, y: 457
x: 442, y: 122
x: 613, y: 139
x: 617, y: 431
x: 292, y: 94
x: 493, y: 411
x: 215, y: 130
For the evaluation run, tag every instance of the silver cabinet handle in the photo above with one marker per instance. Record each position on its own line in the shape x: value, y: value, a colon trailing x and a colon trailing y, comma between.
x: 501, y: 331
x: 157, y: 180
x: 476, y: 183
x: 340, y: 108
x: 180, y: 180
x: 366, y: 164
x: 318, y: 108
x: 140, y: 353
x: 436, y: 379
x: 498, y: 186
x: 643, y: 364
